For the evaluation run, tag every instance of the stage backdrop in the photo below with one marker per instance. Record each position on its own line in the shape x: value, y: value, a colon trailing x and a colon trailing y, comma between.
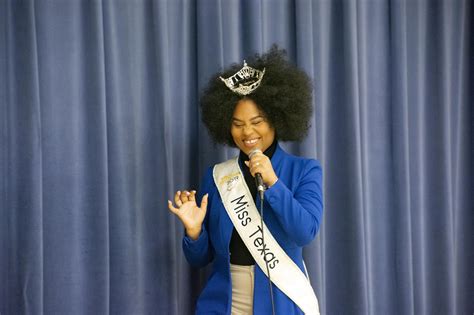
x: 100, y: 124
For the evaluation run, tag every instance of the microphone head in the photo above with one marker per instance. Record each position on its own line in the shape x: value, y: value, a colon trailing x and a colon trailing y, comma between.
x: 253, y: 152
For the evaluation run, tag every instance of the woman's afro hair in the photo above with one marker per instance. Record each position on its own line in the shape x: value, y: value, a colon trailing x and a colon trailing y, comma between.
x: 283, y: 97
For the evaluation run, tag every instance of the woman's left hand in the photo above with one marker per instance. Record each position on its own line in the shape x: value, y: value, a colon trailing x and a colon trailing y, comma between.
x: 260, y: 163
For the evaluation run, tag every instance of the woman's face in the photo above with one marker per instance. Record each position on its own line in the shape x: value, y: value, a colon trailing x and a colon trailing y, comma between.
x: 250, y: 129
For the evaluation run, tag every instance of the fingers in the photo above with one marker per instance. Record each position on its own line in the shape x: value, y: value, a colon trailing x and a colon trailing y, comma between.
x: 177, y: 199
x: 184, y: 196
x: 204, y: 202
x: 261, y: 164
x: 251, y: 166
x: 259, y: 159
x: 192, y: 196
x: 181, y: 197
x: 172, y: 208
x: 256, y: 166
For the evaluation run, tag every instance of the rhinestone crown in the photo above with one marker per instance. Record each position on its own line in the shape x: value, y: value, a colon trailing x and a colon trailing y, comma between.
x: 244, y: 81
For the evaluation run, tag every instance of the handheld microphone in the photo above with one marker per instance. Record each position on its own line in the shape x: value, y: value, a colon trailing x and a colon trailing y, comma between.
x: 261, y: 190
x: 258, y: 176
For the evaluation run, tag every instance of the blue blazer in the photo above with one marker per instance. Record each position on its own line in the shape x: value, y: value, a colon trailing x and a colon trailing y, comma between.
x: 293, y: 208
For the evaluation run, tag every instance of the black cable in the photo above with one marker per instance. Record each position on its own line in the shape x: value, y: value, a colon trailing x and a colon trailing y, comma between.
x: 266, y: 262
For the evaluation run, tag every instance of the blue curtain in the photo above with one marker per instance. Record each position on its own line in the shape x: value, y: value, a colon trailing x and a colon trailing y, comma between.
x: 100, y: 124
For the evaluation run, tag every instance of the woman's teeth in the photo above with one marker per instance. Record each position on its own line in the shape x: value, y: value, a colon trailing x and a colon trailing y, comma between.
x: 253, y: 141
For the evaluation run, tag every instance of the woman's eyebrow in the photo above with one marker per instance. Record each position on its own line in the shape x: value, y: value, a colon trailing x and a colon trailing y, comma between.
x: 253, y: 118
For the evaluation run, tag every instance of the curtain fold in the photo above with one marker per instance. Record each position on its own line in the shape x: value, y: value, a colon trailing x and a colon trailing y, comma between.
x: 100, y: 125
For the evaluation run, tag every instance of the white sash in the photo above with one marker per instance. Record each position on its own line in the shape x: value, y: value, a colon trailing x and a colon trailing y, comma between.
x: 240, y: 207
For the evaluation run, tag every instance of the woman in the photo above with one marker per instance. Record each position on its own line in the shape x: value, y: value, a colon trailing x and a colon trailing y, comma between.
x: 252, y: 108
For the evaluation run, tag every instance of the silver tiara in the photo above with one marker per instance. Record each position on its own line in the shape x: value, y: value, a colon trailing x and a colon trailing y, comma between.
x: 244, y: 81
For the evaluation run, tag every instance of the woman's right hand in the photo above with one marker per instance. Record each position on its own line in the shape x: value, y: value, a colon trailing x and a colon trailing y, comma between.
x: 188, y: 212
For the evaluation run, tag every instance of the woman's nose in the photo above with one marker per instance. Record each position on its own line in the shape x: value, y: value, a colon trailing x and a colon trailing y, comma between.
x: 247, y: 130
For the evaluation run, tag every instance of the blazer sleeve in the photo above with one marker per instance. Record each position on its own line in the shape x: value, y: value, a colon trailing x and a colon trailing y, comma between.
x: 299, y: 212
x: 200, y: 252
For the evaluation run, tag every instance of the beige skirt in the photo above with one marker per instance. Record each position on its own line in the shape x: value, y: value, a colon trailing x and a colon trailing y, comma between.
x: 242, y: 289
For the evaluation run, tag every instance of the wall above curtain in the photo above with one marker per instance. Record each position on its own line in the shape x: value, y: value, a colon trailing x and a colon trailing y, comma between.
x: 100, y: 124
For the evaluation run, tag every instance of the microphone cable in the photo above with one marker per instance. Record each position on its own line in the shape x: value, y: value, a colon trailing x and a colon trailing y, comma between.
x: 266, y: 262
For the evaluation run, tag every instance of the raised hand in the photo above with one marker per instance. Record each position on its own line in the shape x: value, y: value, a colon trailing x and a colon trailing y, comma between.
x: 188, y: 212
